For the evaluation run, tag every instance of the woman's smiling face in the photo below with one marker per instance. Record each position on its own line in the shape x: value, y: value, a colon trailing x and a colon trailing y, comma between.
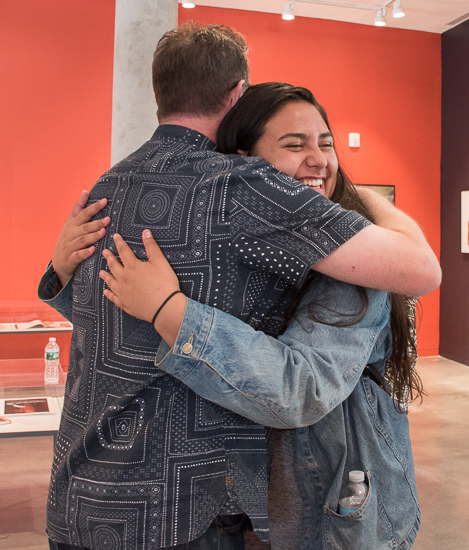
x: 297, y: 141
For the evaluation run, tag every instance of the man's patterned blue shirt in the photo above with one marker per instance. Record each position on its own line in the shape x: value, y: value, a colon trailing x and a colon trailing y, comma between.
x: 140, y: 460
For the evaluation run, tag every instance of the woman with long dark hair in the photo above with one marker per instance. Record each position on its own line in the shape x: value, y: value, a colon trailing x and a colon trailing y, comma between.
x: 240, y: 132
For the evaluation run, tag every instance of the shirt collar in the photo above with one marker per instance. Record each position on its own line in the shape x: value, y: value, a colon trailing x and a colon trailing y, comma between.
x: 184, y: 134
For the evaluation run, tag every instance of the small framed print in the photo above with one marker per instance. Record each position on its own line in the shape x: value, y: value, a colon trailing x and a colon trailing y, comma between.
x: 465, y: 222
x: 388, y: 191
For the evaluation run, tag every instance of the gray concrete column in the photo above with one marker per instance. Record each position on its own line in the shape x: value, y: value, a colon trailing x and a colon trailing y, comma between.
x: 139, y: 26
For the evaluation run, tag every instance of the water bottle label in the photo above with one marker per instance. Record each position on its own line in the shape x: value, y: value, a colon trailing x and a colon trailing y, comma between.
x: 343, y: 511
x: 52, y: 355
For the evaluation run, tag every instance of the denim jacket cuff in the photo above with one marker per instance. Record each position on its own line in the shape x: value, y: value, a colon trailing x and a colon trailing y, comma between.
x: 190, y: 342
x: 50, y: 292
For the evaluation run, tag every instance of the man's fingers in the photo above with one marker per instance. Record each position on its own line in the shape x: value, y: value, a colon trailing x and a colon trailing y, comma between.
x: 125, y: 253
x: 80, y: 204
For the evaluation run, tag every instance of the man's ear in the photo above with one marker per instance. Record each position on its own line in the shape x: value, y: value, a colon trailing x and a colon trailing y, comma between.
x: 236, y: 93
x: 243, y: 153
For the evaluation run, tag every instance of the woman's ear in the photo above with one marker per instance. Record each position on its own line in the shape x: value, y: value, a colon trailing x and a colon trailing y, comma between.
x: 243, y: 153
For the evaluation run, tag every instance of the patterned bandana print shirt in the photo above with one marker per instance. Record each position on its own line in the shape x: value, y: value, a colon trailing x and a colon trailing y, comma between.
x: 142, y: 462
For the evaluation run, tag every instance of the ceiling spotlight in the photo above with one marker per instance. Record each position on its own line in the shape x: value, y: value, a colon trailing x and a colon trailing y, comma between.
x: 288, y: 14
x: 398, y: 11
x: 188, y: 5
x: 380, y: 20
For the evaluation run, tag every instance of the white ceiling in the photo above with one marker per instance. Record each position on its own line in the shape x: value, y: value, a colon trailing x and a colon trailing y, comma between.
x: 435, y: 16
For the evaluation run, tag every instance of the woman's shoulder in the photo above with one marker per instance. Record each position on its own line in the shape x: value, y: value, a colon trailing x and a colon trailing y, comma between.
x: 336, y: 302
x: 326, y: 290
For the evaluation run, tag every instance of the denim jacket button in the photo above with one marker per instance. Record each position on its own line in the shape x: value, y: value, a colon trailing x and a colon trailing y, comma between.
x: 186, y: 348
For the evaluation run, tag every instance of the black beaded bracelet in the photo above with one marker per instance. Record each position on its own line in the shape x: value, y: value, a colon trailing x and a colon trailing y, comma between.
x: 163, y: 304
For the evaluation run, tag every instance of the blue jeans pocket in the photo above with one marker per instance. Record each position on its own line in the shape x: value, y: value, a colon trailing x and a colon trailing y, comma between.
x: 367, y: 528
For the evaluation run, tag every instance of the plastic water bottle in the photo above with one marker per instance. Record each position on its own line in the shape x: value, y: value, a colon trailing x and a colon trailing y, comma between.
x: 354, y: 494
x: 51, y: 357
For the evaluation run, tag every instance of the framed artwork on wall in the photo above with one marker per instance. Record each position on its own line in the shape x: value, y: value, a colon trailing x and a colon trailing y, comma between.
x: 388, y: 191
x: 465, y: 222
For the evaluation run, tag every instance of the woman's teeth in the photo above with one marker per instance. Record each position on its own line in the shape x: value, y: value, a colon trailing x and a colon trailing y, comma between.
x: 315, y: 184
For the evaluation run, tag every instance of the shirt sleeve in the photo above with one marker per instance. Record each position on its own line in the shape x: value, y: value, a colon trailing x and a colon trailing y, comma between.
x: 49, y: 291
x: 282, y: 226
x: 286, y: 383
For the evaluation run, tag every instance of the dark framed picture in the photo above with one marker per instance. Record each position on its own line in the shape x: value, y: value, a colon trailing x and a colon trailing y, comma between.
x: 388, y: 191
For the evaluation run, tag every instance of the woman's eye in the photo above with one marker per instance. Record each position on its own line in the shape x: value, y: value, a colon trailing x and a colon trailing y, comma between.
x: 295, y: 146
x: 327, y: 145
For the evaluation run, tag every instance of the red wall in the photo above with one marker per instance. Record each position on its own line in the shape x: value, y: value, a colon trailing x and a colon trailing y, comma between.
x: 56, y: 96
x: 383, y: 83
x: 57, y: 62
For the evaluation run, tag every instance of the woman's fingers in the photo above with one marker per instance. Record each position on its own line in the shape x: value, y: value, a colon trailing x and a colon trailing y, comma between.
x: 108, y: 278
x: 77, y: 257
x: 83, y: 233
x: 111, y: 284
x: 87, y: 213
x: 80, y: 204
x: 151, y: 246
x: 158, y: 261
x: 94, y: 226
x: 115, y: 267
x: 126, y: 255
x: 111, y: 297
x: 87, y: 239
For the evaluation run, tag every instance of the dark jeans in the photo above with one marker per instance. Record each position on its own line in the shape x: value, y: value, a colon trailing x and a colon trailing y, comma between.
x: 225, y: 533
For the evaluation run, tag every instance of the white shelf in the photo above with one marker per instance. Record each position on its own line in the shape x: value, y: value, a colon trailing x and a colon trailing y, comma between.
x: 39, y: 329
x: 32, y: 423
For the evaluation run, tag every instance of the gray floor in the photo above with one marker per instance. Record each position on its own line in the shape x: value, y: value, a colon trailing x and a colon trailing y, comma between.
x: 440, y: 442
x: 441, y: 450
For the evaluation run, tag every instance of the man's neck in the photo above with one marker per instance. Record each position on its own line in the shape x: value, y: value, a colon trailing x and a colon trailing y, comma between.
x: 207, y: 126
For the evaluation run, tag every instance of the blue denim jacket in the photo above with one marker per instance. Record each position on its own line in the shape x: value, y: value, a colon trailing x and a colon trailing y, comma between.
x: 311, y: 379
